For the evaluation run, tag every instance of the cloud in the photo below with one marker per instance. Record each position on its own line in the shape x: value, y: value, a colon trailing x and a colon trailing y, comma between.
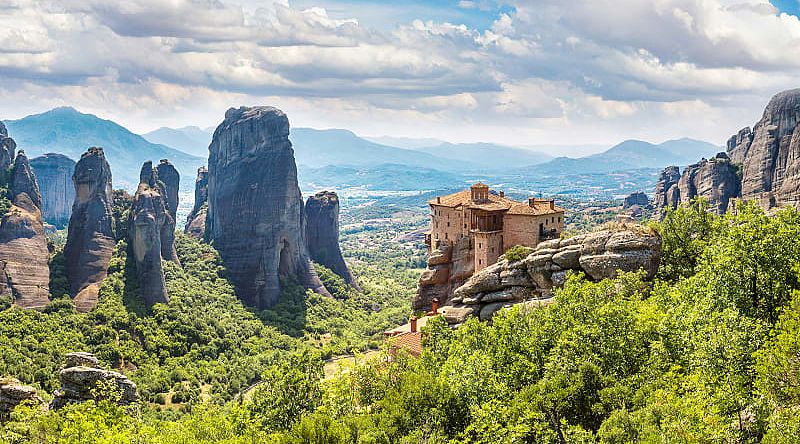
x: 546, y: 68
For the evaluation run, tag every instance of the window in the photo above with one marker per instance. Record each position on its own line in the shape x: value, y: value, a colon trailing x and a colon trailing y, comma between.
x: 448, y: 224
x: 465, y: 225
x: 445, y: 236
x: 492, y: 249
x: 480, y: 261
x: 559, y: 219
x: 480, y: 245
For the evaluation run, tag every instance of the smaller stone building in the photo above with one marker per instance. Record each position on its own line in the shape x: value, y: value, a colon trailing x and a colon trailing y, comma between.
x: 492, y: 222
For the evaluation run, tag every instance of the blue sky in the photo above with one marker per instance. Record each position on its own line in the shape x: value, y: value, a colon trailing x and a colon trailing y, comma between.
x: 788, y: 6
x: 517, y: 72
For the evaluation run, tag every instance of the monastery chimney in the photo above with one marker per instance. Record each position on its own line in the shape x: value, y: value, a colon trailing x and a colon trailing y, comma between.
x: 435, y: 306
x: 532, y: 202
x: 502, y: 194
x: 438, y: 199
x: 552, y: 204
x: 413, y: 324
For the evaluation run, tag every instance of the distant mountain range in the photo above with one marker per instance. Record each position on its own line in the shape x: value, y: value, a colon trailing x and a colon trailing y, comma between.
x: 338, y: 157
x: 629, y: 155
x: 189, y: 139
x: 69, y: 132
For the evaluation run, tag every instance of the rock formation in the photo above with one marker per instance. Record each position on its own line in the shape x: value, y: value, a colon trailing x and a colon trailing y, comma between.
x: 82, y: 379
x: 196, y: 221
x: 24, y: 254
x: 90, y: 237
x: 637, y: 198
x: 54, y: 175
x: 171, y: 180
x: 599, y: 255
x: 146, y: 221
x: 14, y: 393
x: 448, y: 267
x: 715, y: 179
x: 7, y: 148
x: 770, y: 153
x: 255, y: 209
x: 667, y: 194
x: 322, y: 233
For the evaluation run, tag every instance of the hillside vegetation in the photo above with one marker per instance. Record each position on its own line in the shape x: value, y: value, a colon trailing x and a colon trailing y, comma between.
x: 706, y: 353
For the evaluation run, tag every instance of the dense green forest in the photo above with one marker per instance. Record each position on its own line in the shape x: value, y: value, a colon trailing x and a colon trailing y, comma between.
x: 709, y: 352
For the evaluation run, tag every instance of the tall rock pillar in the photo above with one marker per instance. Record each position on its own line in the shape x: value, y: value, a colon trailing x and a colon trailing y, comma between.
x: 322, y: 233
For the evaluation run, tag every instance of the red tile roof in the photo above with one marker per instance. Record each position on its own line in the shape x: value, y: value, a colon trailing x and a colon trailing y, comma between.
x: 495, y: 203
x: 409, y: 341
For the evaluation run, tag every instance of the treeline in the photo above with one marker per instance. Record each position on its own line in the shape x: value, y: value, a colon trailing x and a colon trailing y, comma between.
x: 709, y: 352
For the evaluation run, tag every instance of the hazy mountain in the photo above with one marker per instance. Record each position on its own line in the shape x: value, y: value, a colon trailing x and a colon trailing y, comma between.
x: 409, y: 143
x: 629, y: 155
x: 317, y: 148
x: 189, y: 139
x: 488, y: 155
x: 378, y: 177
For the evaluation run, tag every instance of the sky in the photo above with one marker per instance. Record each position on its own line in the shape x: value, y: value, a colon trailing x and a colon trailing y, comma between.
x: 517, y: 72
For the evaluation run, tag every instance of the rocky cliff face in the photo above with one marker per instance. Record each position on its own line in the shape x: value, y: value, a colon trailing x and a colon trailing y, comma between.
x: 171, y: 180
x: 196, y: 221
x: 146, y: 221
x: 54, y: 174
x: 715, y: 179
x: 81, y: 378
x: 322, y: 233
x: 599, y: 255
x: 255, y: 209
x: 90, y: 237
x: 23, y: 246
x: 448, y: 268
x: 770, y: 153
x: 667, y: 194
x: 7, y: 148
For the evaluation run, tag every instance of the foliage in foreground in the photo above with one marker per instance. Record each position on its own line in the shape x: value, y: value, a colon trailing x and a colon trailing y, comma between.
x: 707, y: 353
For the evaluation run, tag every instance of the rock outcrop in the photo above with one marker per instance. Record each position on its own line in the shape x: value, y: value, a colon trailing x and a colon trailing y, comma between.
x: 715, y: 179
x: 667, y: 194
x: 599, y: 255
x: 322, y: 234
x: 7, y: 148
x: 171, y: 180
x: 196, y: 221
x: 90, y: 237
x: 14, y: 393
x: 770, y: 153
x: 83, y: 380
x: 54, y: 175
x: 636, y: 198
x: 255, y: 209
x: 24, y: 254
x: 146, y: 221
x: 448, y: 268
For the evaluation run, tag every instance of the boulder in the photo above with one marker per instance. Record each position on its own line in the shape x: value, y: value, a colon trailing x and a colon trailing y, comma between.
x: 90, y: 236
x: 145, y: 230
x: 456, y: 314
x: 14, y: 393
x: 196, y: 221
x: 23, y: 245
x: 54, y: 176
x: 322, y: 234
x: 716, y: 180
x: 666, y: 194
x: 255, y: 209
x: 81, y: 383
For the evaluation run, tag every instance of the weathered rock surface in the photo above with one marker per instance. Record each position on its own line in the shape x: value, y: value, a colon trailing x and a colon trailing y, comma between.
x: 171, y: 180
x: 90, y: 237
x: 599, y: 255
x: 13, y: 393
x: 636, y: 198
x: 447, y: 269
x: 83, y: 382
x: 196, y: 221
x: 54, y: 175
x: 715, y: 179
x: 667, y: 194
x: 255, y: 209
x: 322, y: 233
x: 7, y: 148
x: 23, y: 246
x: 770, y: 153
x: 146, y: 221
